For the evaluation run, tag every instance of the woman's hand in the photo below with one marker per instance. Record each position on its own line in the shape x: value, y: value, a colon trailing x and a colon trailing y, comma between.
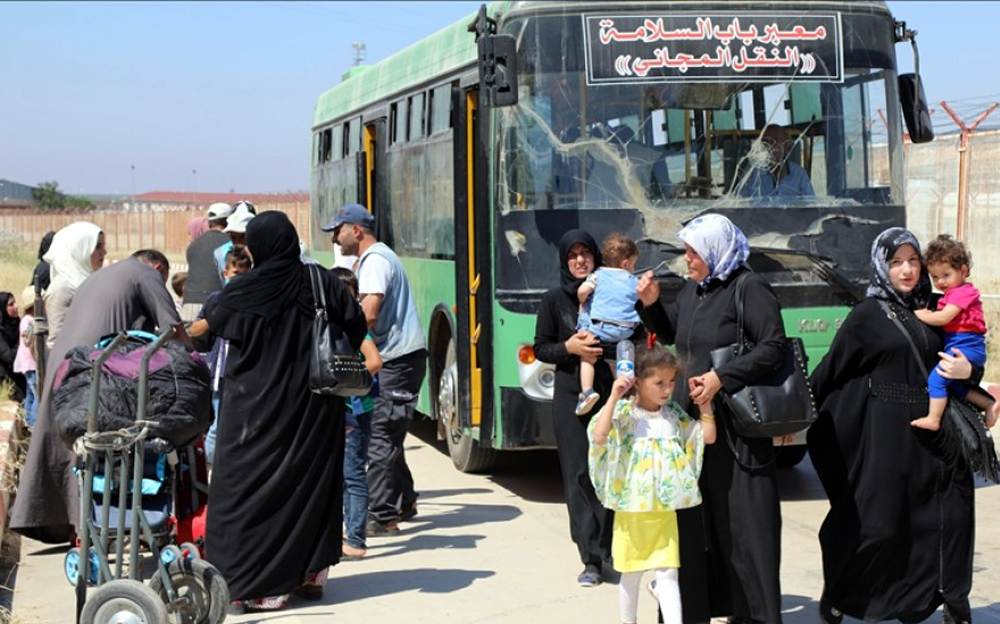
x: 954, y: 366
x: 583, y: 344
x: 620, y: 387
x: 993, y: 414
x: 648, y: 289
x: 704, y: 387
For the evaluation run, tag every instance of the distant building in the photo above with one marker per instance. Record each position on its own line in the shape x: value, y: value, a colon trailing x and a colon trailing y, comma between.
x: 14, y: 194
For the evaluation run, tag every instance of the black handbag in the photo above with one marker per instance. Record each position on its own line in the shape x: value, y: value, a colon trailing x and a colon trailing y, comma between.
x: 335, y: 368
x: 779, y: 402
x: 963, y: 434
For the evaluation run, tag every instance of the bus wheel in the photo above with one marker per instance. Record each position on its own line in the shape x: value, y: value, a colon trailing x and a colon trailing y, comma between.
x: 466, y: 453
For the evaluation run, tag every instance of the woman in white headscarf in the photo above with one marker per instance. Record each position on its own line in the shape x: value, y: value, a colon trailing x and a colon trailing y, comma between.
x: 731, y: 543
x: 77, y: 251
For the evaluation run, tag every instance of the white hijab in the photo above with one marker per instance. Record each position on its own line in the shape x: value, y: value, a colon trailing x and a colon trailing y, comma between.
x: 69, y: 255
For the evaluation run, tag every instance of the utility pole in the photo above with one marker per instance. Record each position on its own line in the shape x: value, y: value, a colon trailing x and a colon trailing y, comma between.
x: 360, y: 54
x: 963, y: 163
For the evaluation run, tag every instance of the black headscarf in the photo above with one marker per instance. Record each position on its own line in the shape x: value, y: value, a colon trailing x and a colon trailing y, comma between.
x: 41, y: 275
x: 45, y: 244
x: 884, y: 247
x: 567, y: 282
x: 8, y: 324
x: 278, y: 279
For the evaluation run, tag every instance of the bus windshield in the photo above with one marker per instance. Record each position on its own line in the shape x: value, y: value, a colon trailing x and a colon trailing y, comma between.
x: 672, y: 147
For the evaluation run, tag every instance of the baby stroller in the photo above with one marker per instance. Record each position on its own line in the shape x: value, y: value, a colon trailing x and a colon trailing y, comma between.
x: 129, y: 480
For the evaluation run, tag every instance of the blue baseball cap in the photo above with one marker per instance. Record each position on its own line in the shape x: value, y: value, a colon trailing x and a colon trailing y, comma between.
x: 351, y: 213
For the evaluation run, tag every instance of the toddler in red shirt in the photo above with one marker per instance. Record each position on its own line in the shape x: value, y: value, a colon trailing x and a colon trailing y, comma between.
x: 960, y: 313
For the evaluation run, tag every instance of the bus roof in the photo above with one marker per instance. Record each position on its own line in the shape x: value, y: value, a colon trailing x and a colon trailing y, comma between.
x: 454, y: 46
x: 446, y: 50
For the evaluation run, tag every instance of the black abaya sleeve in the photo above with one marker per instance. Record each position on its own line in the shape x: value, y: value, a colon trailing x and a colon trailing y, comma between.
x: 549, y: 348
x: 844, y: 359
x: 764, y: 329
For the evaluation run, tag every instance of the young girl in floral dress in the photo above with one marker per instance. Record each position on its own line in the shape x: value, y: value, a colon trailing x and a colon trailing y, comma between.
x: 645, y: 459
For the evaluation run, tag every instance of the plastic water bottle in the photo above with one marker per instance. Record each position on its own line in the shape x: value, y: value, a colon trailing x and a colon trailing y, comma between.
x: 625, y: 366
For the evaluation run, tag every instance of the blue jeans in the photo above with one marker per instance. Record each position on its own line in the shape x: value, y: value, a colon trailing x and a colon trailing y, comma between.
x: 973, y: 346
x: 210, y: 436
x: 357, y: 434
x: 30, y: 399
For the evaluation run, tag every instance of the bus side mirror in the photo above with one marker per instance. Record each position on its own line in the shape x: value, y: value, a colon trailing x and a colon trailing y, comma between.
x: 497, y: 61
x: 915, y: 112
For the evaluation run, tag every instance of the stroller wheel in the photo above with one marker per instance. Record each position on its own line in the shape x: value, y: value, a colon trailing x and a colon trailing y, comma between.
x: 190, y: 550
x: 71, y: 565
x: 202, y: 593
x: 170, y: 553
x: 123, y: 600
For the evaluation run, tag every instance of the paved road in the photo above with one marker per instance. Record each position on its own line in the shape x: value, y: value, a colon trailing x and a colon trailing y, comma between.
x: 491, y: 549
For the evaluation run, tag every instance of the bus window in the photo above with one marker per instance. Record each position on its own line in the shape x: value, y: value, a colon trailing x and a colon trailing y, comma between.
x: 417, y: 117
x: 352, y: 136
x: 338, y: 143
x: 325, y: 146
x: 440, y: 109
x: 399, y: 124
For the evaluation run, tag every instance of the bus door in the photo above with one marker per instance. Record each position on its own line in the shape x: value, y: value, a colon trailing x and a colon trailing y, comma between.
x: 474, y: 282
x: 372, y: 180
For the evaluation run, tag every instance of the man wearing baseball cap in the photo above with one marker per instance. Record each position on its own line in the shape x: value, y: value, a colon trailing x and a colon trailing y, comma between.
x: 203, y: 279
x: 395, y: 327
x: 236, y: 228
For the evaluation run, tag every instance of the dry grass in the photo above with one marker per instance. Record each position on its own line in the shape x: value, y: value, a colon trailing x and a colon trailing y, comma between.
x: 16, y: 265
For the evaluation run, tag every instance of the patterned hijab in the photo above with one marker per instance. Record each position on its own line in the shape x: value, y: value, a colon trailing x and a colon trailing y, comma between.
x: 880, y: 286
x: 720, y: 244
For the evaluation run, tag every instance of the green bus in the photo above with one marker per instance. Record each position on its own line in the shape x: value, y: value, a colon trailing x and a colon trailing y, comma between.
x: 477, y: 147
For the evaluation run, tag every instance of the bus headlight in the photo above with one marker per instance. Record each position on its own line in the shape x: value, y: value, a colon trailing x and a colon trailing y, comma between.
x: 537, y: 378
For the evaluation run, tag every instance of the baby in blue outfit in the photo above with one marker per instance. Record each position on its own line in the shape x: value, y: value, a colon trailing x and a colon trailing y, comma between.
x: 608, y: 300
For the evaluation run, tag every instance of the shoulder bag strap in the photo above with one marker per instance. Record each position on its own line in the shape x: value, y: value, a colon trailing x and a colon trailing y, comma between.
x: 889, y: 312
x: 738, y: 297
x: 319, y: 297
x: 741, y: 340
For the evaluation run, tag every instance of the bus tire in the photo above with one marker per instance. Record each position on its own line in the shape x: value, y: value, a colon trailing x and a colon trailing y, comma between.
x: 466, y: 453
x: 789, y: 456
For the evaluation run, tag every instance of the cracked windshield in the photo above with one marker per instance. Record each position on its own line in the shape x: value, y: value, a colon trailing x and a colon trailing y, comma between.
x: 787, y: 112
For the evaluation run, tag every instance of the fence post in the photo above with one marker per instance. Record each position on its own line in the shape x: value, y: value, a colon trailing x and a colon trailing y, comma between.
x: 963, y: 163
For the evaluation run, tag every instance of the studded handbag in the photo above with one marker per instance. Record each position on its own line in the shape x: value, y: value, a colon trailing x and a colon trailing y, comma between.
x: 335, y: 368
x: 779, y: 402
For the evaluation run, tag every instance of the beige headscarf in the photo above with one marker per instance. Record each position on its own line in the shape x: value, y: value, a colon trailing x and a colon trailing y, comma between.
x: 69, y: 255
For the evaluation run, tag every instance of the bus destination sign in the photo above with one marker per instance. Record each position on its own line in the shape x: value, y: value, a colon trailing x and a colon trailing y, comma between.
x: 730, y: 47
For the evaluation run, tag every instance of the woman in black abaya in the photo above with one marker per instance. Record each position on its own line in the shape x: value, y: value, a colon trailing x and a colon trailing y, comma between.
x: 274, y: 524
x: 558, y: 342
x: 731, y: 543
x: 898, y: 539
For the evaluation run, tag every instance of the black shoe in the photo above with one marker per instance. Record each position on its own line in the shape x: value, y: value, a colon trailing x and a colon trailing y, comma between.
x: 382, y: 528
x: 829, y: 614
x: 590, y: 577
x: 408, y: 512
x: 309, y: 592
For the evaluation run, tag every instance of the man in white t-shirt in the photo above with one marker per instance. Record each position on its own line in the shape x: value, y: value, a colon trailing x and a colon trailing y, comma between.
x: 395, y: 327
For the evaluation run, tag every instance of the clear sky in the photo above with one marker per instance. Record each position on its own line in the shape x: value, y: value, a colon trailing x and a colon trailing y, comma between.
x: 90, y: 90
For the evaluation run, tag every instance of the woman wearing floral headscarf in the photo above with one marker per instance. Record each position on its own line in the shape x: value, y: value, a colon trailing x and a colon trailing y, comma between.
x: 898, y: 539
x: 77, y: 251
x: 731, y: 544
